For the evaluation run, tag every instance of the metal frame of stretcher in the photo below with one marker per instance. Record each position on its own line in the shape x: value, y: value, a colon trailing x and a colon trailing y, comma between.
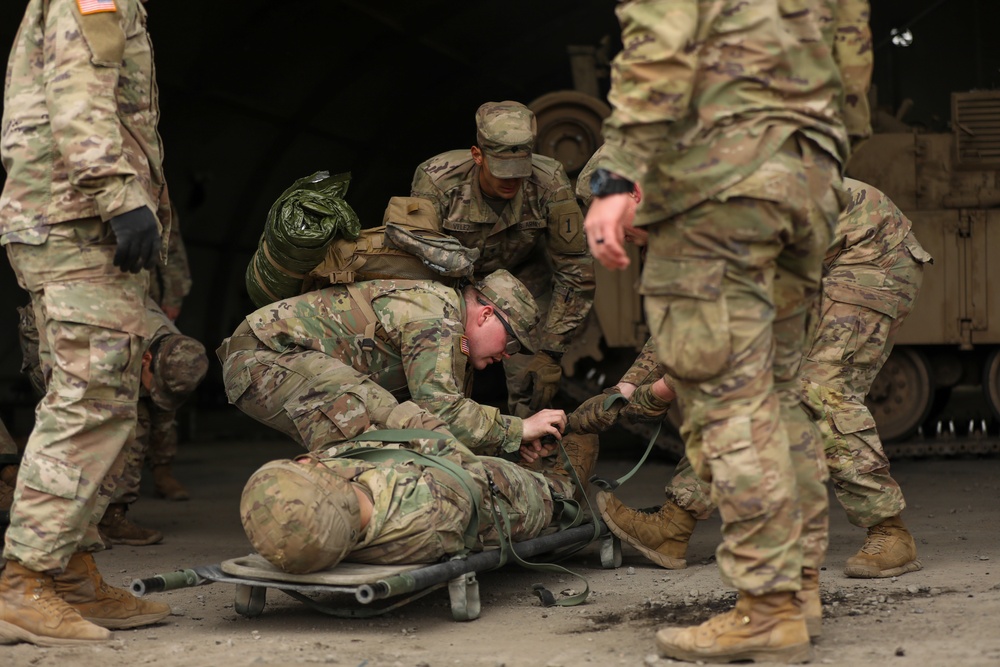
x: 379, y: 583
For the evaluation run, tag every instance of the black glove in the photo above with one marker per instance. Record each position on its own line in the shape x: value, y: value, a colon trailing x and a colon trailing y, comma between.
x: 645, y: 405
x: 138, y: 240
x: 598, y: 413
x: 542, y: 378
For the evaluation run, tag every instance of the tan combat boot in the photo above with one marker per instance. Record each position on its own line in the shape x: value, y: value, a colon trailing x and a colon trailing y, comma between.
x: 581, y: 450
x: 166, y: 485
x: 83, y: 587
x: 116, y: 528
x: 888, y: 551
x: 810, y: 603
x: 662, y: 537
x: 763, y: 627
x: 32, y: 611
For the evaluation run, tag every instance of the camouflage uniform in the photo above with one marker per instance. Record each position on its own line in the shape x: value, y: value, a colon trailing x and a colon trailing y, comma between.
x: 538, y: 236
x: 420, y: 512
x: 875, y: 270
x: 740, y: 152
x: 80, y: 146
x: 316, y: 366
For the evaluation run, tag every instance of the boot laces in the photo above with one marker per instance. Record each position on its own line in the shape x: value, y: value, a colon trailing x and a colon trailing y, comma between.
x: 875, y: 543
x: 49, y: 602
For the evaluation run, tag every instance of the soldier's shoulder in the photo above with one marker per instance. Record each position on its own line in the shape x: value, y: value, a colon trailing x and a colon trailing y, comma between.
x: 448, y: 166
x: 549, y: 172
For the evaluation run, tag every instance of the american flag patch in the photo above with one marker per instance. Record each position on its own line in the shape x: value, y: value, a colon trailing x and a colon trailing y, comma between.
x: 463, y: 345
x: 96, y: 6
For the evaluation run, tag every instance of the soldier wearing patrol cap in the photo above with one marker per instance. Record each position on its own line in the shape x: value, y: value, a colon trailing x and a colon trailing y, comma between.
x: 518, y: 209
x: 318, y: 366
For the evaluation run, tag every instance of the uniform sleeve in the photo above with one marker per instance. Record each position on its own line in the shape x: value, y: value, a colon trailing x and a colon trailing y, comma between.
x: 176, y: 272
x: 423, y: 186
x: 435, y: 368
x: 86, y: 55
x: 572, y: 268
x: 645, y: 369
x: 853, y: 52
x: 652, y: 79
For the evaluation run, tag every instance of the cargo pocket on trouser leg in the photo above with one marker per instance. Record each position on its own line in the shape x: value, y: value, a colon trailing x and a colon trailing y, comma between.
x: 50, y: 490
x: 687, y: 315
x: 322, y: 421
x: 739, y: 485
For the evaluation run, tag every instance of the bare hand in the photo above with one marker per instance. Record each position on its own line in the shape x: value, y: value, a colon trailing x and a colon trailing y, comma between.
x: 542, y: 423
x: 607, y: 219
x: 535, y: 450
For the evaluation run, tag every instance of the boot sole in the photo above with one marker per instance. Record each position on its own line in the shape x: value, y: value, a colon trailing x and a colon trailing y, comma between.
x: 865, y: 573
x: 666, y: 562
x: 13, y: 634
x: 795, y: 654
x: 127, y: 623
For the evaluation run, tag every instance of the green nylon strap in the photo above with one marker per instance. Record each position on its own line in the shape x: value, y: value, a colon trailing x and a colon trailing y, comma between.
x: 502, y: 522
x: 610, y: 400
x: 614, y: 484
x: 471, y: 536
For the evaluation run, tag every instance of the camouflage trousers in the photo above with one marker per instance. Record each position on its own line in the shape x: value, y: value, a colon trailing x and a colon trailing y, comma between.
x: 91, y: 320
x: 155, y: 440
x: 313, y: 398
x: 852, y: 342
x: 863, y: 307
x: 731, y: 294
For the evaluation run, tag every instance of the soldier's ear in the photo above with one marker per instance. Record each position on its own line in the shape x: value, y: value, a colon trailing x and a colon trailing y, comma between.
x: 477, y: 155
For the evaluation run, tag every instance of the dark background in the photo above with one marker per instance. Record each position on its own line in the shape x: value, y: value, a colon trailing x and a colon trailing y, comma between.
x: 256, y: 94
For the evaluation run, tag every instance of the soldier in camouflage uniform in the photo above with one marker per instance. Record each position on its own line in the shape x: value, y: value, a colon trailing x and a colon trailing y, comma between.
x: 169, y: 283
x: 517, y: 208
x: 81, y: 215
x: 875, y: 269
x: 729, y: 116
x: 309, y: 514
x: 318, y: 365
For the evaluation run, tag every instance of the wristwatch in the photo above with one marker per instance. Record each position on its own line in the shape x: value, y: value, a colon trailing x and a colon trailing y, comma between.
x: 603, y: 183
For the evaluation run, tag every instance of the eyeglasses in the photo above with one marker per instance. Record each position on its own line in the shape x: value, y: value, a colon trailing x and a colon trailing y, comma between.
x: 513, y: 344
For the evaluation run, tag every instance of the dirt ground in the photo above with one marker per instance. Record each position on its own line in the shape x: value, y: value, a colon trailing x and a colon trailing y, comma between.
x: 945, y: 614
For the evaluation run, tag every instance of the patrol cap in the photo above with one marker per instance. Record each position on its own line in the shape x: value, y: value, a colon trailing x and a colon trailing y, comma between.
x: 300, y: 515
x: 505, y: 131
x: 518, y: 307
x: 179, y: 365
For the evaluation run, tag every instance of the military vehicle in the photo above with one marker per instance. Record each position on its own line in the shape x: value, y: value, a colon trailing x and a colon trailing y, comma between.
x: 939, y: 392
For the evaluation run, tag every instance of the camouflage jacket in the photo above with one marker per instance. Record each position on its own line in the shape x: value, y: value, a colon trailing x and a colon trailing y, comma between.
x: 79, y: 136
x: 695, y: 112
x: 544, y: 211
x: 416, y: 348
